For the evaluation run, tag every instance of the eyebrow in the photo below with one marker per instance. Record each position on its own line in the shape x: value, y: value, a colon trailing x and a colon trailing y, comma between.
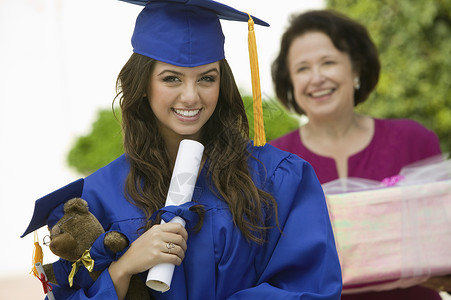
x: 329, y: 56
x: 211, y: 70
x: 180, y: 73
x: 322, y: 58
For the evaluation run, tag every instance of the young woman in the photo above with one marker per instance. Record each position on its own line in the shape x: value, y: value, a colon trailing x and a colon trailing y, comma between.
x: 259, y: 227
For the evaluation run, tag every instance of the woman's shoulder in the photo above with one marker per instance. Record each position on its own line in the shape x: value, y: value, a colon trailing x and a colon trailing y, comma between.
x: 104, y: 192
x: 286, y: 138
x: 404, y: 131
x: 407, y: 136
x: 290, y: 142
x: 405, y: 126
x: 116, y: 168
x: 272, y: 159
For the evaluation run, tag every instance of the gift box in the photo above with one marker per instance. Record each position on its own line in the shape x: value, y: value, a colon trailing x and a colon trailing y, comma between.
x: 393, y: 234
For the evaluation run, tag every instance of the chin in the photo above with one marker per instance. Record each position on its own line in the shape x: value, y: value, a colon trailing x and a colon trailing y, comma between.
x: 189, y: 134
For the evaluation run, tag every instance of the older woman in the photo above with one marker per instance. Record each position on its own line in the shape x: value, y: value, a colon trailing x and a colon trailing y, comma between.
x: 328, y: 64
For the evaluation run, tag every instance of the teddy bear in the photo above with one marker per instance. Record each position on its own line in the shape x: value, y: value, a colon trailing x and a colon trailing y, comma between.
x: 76, y: 237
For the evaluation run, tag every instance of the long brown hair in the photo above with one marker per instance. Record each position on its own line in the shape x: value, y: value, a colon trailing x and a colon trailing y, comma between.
x: 225, y: 137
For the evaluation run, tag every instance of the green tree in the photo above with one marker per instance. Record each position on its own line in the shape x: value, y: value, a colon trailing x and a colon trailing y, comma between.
x: 100, y: 146
x: 414, y: 42
x: 104, y: 142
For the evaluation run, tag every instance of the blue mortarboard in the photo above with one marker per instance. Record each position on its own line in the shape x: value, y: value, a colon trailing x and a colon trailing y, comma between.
x: 49, y: 209
x: 185, y: 33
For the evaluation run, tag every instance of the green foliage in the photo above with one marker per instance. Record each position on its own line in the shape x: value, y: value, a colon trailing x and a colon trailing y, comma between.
x: 276, y: 119
x: 104, y: 142
x: 414, y: 42
x: 102, y: 145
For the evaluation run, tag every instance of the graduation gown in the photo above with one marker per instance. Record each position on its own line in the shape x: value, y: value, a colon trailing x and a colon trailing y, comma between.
x: 298, y: 261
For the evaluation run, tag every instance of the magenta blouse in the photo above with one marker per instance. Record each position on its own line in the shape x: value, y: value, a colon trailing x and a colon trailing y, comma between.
x: 395, y: 144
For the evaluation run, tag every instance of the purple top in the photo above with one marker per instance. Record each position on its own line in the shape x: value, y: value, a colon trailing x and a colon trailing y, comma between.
x: 395, y: 144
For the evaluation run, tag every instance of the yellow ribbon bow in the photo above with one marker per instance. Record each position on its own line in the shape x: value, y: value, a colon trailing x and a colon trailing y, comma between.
x: 86, y: 260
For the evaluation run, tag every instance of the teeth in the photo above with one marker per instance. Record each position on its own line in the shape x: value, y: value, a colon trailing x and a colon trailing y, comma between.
x: 321, y: 93
x: 187, y: 113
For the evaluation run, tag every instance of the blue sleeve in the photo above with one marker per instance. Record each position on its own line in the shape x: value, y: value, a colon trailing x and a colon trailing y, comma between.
x: 102, y: 288
x: 300, y: 260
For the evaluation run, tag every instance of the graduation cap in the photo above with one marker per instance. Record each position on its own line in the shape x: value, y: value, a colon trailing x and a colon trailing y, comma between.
x: 49, y: 209
x: 188, y: 33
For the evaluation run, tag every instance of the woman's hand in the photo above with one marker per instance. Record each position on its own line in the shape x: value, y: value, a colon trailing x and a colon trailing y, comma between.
x: 439, y: 283
x: 164, y: 243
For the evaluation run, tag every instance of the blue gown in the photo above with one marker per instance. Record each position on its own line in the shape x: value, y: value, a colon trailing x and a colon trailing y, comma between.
x: 300, y: 263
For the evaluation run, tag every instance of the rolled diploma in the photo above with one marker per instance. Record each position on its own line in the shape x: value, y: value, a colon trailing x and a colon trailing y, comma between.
x: 181, y: 188
x: 41, y: 271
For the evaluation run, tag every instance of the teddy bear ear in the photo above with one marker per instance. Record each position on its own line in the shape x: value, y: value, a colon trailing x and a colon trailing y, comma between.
x: 76, y: 205
x: 49, y: 209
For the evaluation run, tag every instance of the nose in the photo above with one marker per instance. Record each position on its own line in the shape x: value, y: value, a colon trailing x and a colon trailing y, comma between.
x: 189, y: 94
x: 317, y: 76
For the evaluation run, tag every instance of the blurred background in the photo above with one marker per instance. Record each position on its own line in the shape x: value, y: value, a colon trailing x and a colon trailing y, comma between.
x: 58, y: 65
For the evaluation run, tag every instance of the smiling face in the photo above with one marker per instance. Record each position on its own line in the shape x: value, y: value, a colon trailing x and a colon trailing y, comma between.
x: 322, y: 76
x: 183, y: 99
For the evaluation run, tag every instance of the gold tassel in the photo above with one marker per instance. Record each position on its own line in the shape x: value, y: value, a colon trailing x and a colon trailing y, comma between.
x: 38, y: 255
x: 259, y: 127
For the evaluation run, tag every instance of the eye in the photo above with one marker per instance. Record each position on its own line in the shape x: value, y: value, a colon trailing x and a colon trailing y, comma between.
x: 56, y: 230
x: 171, y: 79
x: 329, y: 62
x: 207, y: 78
x: 60, y: 230
x: 301, y: 69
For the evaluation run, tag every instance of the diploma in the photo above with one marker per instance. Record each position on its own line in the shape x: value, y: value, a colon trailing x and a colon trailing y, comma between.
x: 43, y: 278
x: 181, y: 188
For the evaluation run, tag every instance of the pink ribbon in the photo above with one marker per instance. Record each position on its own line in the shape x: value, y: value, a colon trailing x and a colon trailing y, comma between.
x: 391, y: 181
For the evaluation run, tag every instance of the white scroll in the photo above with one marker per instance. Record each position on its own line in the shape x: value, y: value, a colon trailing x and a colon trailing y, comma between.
x: 41, y: 273
x: 181, y: 188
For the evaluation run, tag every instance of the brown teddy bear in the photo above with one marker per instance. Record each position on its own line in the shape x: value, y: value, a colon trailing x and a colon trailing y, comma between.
x: 74, y: 238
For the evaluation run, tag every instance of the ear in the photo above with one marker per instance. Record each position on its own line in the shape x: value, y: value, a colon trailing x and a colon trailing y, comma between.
x: 76, y: 205
x: 355, y: 71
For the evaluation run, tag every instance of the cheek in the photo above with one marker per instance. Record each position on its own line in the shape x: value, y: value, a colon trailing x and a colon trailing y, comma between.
x: 299, y: 82
x: 337, y: 74
x: 210, y: 97
x: 214, y: 99
x: 160, y: 95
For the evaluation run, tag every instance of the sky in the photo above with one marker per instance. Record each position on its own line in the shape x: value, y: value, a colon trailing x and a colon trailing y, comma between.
x: 58, y: 65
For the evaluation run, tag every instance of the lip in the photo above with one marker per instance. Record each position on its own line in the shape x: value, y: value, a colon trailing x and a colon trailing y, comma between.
x: 321, y: 94
x: 187, y: 115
